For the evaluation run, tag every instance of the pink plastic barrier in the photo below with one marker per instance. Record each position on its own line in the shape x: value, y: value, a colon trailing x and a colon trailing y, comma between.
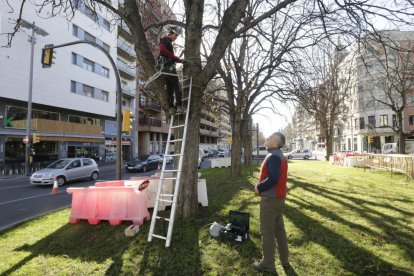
x: 115, y: 204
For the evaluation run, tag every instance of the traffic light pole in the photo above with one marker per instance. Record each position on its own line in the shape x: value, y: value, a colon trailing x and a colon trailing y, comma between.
x: 32, y: 40
x: 118, y: 168
x: 29, y: 105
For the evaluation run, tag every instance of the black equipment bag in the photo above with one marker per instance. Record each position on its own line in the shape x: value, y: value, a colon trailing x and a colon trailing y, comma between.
x: 238, y: 228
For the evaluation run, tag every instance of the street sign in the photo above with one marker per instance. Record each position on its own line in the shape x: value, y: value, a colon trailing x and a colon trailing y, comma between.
x: 26, y: 139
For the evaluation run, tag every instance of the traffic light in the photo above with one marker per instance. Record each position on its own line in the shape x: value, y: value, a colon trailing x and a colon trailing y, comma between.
x: 47, y: 56
x: 35, y: 138
x: 126, y: 121
x: 370, y: 139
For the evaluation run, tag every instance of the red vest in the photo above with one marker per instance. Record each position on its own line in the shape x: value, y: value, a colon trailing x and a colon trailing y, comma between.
x: 279, y: 188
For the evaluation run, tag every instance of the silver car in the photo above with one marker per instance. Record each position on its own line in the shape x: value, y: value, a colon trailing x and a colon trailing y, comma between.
x: 65, y: 170
x: 305, y: 154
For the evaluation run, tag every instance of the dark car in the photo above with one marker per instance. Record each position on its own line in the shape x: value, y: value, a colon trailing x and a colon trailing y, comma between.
x: 144, y: 163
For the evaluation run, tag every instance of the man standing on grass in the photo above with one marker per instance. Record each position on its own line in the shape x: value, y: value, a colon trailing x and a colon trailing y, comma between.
x: 272, y: 190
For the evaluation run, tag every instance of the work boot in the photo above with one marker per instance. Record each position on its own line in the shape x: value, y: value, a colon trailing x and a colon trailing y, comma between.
x: 171, y: 111
x: 180, y: 109
x: 260, y: 267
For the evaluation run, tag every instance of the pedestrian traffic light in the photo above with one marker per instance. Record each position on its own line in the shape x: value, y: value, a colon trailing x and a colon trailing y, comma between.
x: 126, y: 121
x: 35, y: 138
x: 47, y: 56
x: 370, y: 139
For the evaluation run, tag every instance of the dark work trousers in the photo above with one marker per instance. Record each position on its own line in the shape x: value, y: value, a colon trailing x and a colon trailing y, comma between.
x: 272, y: 227
x: 173, y: 88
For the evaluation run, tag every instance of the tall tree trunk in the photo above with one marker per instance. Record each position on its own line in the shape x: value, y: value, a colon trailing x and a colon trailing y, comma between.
x: 329, y: 142
x: 247, y: 142
x: 401, y: 135
x: 188, y: 200
x: 235, y: 169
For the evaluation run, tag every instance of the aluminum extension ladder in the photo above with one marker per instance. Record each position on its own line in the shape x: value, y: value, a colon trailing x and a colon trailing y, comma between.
x: 171, y: 198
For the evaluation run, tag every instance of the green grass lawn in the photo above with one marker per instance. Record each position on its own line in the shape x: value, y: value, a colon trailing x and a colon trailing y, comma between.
x: 339, y: 221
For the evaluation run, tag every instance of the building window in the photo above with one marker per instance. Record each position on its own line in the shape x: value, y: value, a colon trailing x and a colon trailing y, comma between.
x: 106, y: 47
x: 410, y: 120
x: 88, y: 91
x: 394, y: 120
x: 105, y: 72
x: 361, y: 123
x: 73, y: 86
x: 384, y: 120
x: 371, y: 121
x: 83, y: 120
x: 356, y: 123
x: 74, y: 58
x: 105, y: 96
x: 75, y: 30
x: 88, y: 37
x: 90, y: 13
x: 89, y: 65
x: 106, y: 25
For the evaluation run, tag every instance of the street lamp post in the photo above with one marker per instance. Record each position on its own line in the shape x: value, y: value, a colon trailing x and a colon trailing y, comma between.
x: 32, y: 40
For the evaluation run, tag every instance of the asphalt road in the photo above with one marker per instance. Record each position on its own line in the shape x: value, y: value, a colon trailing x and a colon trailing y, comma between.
x: 21, y: 201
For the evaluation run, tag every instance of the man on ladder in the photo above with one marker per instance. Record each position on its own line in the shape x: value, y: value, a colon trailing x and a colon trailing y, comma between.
x: 167, y: 60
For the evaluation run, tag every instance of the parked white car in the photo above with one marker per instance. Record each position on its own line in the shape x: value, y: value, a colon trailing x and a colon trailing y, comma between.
x: 65, y: 170
x: 224, y: 153
x: 262, y: 151
x: 299, y: 154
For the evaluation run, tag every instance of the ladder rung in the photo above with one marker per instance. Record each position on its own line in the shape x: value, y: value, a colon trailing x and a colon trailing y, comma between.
x: 172, y: 155
x: 167, y: 219
x: 171, y: 171
x: 158, y: 236
x: 177, y: 126
x: 170, y: 178
x: 176, y: 140
x: 184, y: 99
x: 166, y: 194
x: 166, y: 200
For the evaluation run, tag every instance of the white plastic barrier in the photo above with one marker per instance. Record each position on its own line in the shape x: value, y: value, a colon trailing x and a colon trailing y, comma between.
x: 220, y: 162
x: 202, y: 192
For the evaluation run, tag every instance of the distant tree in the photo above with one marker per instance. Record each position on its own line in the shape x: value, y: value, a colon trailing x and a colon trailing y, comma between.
x: 320, y: 85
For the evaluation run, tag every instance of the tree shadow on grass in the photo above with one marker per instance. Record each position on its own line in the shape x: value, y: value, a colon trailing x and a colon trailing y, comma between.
x: 395, y: 232
x: 354, y: 259
x: 78, y: 241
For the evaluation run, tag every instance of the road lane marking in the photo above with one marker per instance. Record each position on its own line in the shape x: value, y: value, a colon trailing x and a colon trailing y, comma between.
x: 11, y: 187
x: 16, y: 200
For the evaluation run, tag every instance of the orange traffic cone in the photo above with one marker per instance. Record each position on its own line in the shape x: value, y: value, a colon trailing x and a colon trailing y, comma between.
x: 55, y: 186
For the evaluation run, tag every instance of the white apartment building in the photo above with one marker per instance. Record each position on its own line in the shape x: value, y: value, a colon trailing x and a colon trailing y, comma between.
x: 368, y: 117
x: 74, y: 101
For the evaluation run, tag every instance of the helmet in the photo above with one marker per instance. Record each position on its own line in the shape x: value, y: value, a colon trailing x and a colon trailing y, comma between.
x: 176, y: 30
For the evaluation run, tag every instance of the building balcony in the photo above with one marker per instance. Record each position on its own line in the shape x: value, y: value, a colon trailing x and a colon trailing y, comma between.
x: 128, y: 50
x: 152, y: 125
x: 149, y: 122
x: 151, y: 105
x: 128, y: 91
x: 124, y: 28
x: 211, y: 133
x: 126, y: 70
x: 61, y: 127
x: 208, y: 123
